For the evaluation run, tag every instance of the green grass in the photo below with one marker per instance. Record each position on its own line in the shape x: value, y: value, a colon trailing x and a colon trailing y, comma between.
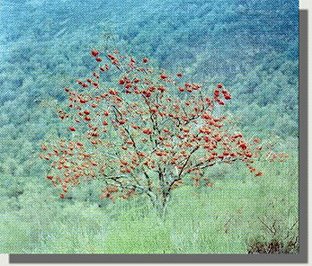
x: 226, y: 218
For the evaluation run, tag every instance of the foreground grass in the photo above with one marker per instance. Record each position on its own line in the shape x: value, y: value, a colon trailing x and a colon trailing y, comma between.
x: 225, y: 218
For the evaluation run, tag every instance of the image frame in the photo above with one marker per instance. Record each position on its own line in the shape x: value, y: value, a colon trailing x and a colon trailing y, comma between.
x: 301, y: 257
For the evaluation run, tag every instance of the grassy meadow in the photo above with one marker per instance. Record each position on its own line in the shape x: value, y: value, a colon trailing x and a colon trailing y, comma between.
x: 229, y: 217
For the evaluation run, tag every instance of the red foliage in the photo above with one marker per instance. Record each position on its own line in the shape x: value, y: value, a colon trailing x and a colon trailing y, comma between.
x: 143, y: 132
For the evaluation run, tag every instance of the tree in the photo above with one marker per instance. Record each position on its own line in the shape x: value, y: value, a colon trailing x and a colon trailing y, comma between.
x: 142, y: 131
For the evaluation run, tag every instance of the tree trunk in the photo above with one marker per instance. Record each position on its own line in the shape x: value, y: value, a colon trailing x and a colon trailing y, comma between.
x: 161, y: 204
